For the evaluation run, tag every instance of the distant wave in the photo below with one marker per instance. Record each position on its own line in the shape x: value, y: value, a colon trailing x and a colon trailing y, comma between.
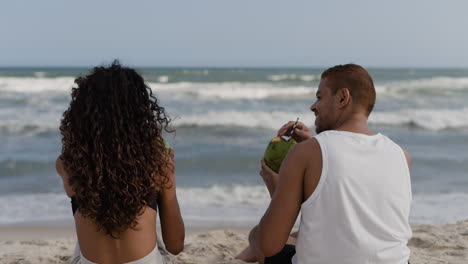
x: 429, y: 119
x: 230, y: 90
x: 36, y: 85
x: 435, y: 85
x: 251, y: 119
x: 163, y: 79
x: 436, y: 208
x: 31, y: 208
x: 17, y: 127
x: 236, y: 204
x: 293, y: 77
x: 198, y: 205
x: 242, y: 90
x: 16, y: 168
x: 196, y: 72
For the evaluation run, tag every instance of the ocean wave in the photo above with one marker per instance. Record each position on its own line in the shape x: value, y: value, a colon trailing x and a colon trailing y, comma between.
x: 437, y: 208
x: 293, y: 77
x: 163, y: 79
x: 230, y: 90
x: 434, y: 85
x: 30, y: 120
x: 198, y: 205
x: 218, y: 91
x: 40, y: 74
x: 428, y: 119
x: 251, y: 119
x: 217, y: 204
x: 16, y: 167
x: 431, y: 119
x: 242, y: 90
x: 31, y: 208
x: 196, y: 72
x: 36, y: 85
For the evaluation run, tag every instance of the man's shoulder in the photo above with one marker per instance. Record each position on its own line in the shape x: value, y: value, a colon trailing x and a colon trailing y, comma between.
x: 307, y: 149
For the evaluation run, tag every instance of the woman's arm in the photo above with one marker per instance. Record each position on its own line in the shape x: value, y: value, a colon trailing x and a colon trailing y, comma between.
x: 172, y: 225
x: 60, y: 167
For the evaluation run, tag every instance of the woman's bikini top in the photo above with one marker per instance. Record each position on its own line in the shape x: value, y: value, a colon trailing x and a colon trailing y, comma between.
x: 75, y: 205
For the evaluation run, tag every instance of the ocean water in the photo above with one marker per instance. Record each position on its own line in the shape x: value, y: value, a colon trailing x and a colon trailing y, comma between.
x: 223, y: 120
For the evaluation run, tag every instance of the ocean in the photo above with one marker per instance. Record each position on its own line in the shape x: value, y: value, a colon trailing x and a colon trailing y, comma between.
x: 224, y: 118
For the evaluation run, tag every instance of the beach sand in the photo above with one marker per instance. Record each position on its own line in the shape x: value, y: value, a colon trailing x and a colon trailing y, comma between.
x: 430, y: 244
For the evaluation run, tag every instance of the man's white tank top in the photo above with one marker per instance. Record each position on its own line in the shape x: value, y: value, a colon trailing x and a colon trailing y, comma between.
x: 359, y: 212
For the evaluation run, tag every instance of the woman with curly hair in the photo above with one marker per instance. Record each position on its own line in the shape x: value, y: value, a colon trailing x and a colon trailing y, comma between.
x: 117, y: 170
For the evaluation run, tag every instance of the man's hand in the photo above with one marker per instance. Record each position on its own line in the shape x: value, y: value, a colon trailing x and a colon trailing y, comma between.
x: 301, y: 133
x: 269, y: 177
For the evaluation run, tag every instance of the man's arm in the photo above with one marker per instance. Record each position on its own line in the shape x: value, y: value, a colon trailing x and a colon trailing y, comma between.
x: 408, y: 158
x: 270, y: 236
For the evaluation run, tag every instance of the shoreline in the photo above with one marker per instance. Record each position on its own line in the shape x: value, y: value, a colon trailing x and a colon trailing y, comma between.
x: 430, y: 244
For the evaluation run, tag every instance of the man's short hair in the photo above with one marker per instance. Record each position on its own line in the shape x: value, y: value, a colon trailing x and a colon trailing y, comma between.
x: 356, y: 79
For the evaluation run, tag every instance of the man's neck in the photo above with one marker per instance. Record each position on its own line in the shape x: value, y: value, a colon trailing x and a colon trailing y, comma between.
x: 355, y: 124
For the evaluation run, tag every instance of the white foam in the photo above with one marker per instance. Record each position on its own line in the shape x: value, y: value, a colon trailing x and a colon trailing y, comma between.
x: 196, y: 72
x: 224, y: 195
x: 198, y: 205
x: 30, y: 208
x: 217, y: 204
x: 439, y: 208
x: 229, y: 90
x: 32, y: 127
x: 293, y: 77
x: 36, y: 85
x: 13, y: 121
x: 40, y: 74
x: 208, y: 91
x: 39, y: 116
x: 440, y: 82
x: 163, y: 79
x: 430, y: 119
x: 436, y: 85
x: 252, y: 119
x: 237, y: 90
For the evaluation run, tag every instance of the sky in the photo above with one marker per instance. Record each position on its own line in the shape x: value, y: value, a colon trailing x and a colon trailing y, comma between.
x: 240, y: 33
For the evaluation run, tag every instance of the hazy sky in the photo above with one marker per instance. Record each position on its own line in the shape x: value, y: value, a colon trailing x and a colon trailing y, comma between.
x: 430, y: 33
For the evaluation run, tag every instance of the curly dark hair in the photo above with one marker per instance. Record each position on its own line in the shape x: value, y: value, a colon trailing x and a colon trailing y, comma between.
x: 113, y: 149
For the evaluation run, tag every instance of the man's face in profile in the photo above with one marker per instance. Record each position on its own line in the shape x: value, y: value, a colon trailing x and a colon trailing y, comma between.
x: 324, y: 108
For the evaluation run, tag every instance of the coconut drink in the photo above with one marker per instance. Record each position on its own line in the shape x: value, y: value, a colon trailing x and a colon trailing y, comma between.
x: 276, y: 151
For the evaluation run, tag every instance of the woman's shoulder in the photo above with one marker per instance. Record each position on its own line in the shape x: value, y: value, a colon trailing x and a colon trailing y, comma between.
x: 60, y: 167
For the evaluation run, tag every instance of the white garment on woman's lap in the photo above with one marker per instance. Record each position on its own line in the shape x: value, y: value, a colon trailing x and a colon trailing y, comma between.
x: 152, y: 258
x: 359, y: 210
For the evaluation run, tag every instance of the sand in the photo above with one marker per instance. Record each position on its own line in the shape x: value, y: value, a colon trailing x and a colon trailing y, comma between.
x: 430, y: 244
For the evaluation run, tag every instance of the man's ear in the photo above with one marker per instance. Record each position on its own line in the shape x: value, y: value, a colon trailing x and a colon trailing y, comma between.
x: 344, y: 97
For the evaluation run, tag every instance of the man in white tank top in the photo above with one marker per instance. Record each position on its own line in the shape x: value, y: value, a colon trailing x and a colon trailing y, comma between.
x: 352, y: 186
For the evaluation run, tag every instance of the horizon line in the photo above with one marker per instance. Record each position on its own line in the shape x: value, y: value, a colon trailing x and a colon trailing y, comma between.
x: 224, y: 66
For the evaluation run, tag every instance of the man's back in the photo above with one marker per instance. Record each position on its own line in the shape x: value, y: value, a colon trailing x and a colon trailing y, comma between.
x: 359, y: 210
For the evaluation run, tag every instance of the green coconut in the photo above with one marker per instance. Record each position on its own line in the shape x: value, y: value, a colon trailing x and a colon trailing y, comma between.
x: 276, y: 151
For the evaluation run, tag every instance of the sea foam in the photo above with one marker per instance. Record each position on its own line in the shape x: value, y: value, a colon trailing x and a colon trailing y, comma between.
x: 236, y: 205
x: 242, y: 90
x: 431, y: 119
x: 428, y: 119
